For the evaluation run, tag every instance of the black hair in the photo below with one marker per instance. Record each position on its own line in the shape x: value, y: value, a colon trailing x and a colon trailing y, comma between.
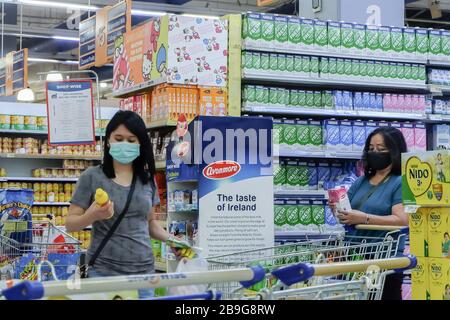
x: 446, y: 234
x: 394, y: 142
x: 144, y: 165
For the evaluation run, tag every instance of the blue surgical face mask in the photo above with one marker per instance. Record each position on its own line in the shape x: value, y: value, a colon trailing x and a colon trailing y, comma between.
x: 124, y: 152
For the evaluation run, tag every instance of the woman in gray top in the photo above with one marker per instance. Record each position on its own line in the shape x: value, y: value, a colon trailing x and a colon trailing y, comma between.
x: 128, y: 152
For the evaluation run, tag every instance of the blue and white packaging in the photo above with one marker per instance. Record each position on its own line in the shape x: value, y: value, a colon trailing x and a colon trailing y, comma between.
x: 347, y: 98
x: 379, y: 102
x: 441, y: 136
x: 323, y: 173
x: 359, y: 135
x: 383, y: 124
x: 335, y: 171
x: 331, y: 134
x: 438, y: 107
x: 396, y: 125
x: 366, y: 101
x: 330, y: 219
x: 313, y: 181
x: 345, y: 135
x: 358, y: 101
x: 372, y: 102
x: 428, y: 106
x: 370, y: 126
x: 338, y: 99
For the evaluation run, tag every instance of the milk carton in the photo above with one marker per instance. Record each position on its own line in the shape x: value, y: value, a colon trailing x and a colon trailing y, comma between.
x: 293, y: 172
x: 318, y: 212
x: 358, y: 101
x: 302, y: 133
x: 397, y: 46
x: 323, y: 173
x: 320, y: 35
x: 334, y: 36
x: 267, y: 30
x: 445, y: 34
x: 409, y: 41
x: 281, y: 32
x: 292, y: 215
x: 307, y: 32
x: 359, y: 135
x: 294, y: 32
x: 435, y: 43
x: 370, y: 126
x: 407, y: 129
x: 279, y: 214
x: 441, y: 137
x: 359, y: 32
x: 331, y: 135
x: 348, y: 37
x: 339, y: 197
x: 422, y: 42
x: 315, y: 135
x: 345, y: 135
x: 420, y: 137
x: 372, y: 40
x: 313, y: 181
x: 385, y: 39
x: 251, y: 29
x: 305, y: 216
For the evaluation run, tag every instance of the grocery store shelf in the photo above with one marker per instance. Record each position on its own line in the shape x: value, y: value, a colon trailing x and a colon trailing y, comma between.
x: 161, y: 124
x: 264, y: 76
x: 302, y: 194
x: 30, y: 179
x: 36, y: 132
x: 337, y: 54
x: 439, y: 63
x: 51, y: 204
x: 160, y: 266
x: 48, y: 156
x: 125, y: 92
x: 439, y: 118
x: 284, y: 152
x: 438, y: 89
x: 299, y: 111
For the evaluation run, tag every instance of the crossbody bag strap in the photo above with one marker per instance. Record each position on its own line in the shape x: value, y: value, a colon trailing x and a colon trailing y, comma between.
x: 370, y: 193
x: 115, y: 225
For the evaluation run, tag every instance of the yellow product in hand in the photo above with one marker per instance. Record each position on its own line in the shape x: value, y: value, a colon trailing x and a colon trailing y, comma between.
x: 101, y: 197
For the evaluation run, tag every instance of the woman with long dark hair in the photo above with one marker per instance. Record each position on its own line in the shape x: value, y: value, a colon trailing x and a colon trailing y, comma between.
x: 376, y: 197
x: 128, y: 157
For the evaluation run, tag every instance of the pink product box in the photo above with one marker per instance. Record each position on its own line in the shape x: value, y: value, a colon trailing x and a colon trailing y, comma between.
x: 408, y: 104
x: 339, y: 196
x: 387, y: 102
x: 394, y: 103
x: 420, y: 137
x: 408, y: 132
x: 400, y: 103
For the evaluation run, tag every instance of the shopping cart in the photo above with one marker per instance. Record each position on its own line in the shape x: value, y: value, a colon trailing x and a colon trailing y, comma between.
x: 331, y: 250
x: 49, y: 252
x: 288, y: 275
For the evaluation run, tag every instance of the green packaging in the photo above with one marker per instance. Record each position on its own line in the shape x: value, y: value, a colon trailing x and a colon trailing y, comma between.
x: 385, y: 38
x: 435, y: 41
x: 293, y: 98
x: 289, y: 136
x: 327, y: 99
x: 292, y: 213
x: 307, y: 31
x: 401, y: 70
x: 370, y: 69
x: 281, y: 30
x: 267, y: 27
x: 281, y: 63
x: 294, y: 31
x: 309, y: 101
x: 408, y: 71
x: 259, y: 91
x: 273, y: 96
x: 315, y: 134
x: 305, y: 214
x: 265, y: 61
x: 445, y: 42
x: 372, y: 38
x: 363, y: 69
x: 306, y: 64
x: 334, y: 34
x: 302, y: 132
x: 273, y: 62
x: 279, y: 174
x: 279, y: 215
x: 348, y: 67
x: 320, y: 33
x: 318, y: 213
x: 423, y: 74
x: 415, y: 72
x: 290, y: 63
x: 247, y: 60
x: 315, y: 66
x: 360, y: 36
x: 422, y: 40
x: 293, y: 174
x: 340, y: 66
x: 318, y: 100
x: 324, y: 67
x: 265, y: 96
x: 282, y: 96
x: 245, y: 94
x: 355, y: 68
x: 347, y: 34
x: 332, y: 66
x: 251, y: 94
x: 394, y: 70
x: 278, y: 132
x: 251, y: 26
x: 397, y: 39
x: 256, y: 61
x: 302, y: 98
x: 409, y: 40
x: 303, y: 175
x: 380, y: 69
x: 298, y: 68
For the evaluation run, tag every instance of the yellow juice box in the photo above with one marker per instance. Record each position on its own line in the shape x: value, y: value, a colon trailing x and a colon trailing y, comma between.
x: 426, y: 178
x: 439, y: 278
x: 438, y: 232
x: 418, y: 232
x: 419, y: 280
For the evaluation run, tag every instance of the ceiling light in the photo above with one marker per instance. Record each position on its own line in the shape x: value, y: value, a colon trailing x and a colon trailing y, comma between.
x: 53, y: 61
x: 26, y: 95
x: 54, y: 76
x: 57, y: 5
x: 200, y: 16
x: 147, y: 13
x: 66, y: 38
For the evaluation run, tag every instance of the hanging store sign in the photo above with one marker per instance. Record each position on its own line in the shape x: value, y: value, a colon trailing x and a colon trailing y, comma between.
x: 14, y: 72
x: 70, y: 112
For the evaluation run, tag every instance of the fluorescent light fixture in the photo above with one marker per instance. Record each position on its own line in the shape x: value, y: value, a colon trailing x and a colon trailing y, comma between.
x: 57, y: 5
x: 66, y: 38
x: 200, y: 16
x: 54, y: 76
x: 53, y: 61
x: 42, y: 36
x: 146, y: 13
x: 26, y: 95
x: 103, y: 85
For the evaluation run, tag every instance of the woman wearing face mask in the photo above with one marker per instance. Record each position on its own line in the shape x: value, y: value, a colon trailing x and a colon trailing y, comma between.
x: 376, y: 197
x: 128, y: 157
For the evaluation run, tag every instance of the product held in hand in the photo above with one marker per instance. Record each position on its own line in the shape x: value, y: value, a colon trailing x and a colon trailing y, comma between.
x: 102, y: 198
x: 339, y: 196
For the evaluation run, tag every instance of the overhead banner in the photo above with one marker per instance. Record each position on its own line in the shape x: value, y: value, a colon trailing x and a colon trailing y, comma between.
x: 70, y: 112
x: 14, y: 72
x: 98, y: 33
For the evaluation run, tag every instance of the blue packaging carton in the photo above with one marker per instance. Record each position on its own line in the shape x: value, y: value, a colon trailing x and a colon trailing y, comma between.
x: 345, y: 135
x: 331, y: 134
x: 323, y: 173
x: 313, y: 181
x: 359, y: 135
x: 370, y: 126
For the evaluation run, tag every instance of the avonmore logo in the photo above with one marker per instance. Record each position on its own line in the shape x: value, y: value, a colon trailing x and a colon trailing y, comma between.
x: 221, y: 170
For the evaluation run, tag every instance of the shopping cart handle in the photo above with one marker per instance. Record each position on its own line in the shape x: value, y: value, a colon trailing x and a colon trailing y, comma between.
x: 25, y: 290
x: 209, y: 295
x: 259, y: 274
x: 295, y: 273
x: 400, y: 229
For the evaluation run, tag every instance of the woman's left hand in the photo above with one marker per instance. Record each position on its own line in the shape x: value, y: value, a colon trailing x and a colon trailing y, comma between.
x: 352, y: 217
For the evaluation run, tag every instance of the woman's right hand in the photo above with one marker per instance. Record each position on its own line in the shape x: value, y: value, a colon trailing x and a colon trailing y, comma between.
x: 101, y: 212
x: 333, y: 207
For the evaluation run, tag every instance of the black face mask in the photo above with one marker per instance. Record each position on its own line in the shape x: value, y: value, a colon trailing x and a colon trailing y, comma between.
x: 378, y: 160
